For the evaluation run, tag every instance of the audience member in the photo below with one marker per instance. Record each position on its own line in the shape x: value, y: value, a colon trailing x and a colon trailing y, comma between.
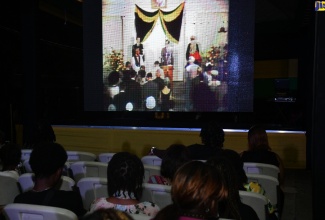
x: 231, y: 207
x: 259, y: 150
x: 47, y: 161
x: 113, y: 84
x: 212, y: 138
x: 243, y: 183
x: 125, y: 174
x: 41, y: 131
x: 133, y: 89
x: 196, y: 190
x: 159, y: 80
x: 176, y: 155
x: 107, y: 214
x: 10, y: 155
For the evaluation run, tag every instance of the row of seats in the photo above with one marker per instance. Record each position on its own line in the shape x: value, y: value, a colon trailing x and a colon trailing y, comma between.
x: 73, y: 156
x: 16, y: 211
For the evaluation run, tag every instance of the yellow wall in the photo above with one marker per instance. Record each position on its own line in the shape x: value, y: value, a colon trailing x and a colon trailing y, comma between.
x: 291, y: 147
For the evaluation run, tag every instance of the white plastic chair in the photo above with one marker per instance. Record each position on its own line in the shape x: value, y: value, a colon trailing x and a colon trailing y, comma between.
x: 261, y: 168
x: 150, y: 170
x: 9, y: 188
x: 25, y: 154
x: 17, y: 211
x: 257, y: 201
x: 82, y: 169
x: 151, y: 160
x: 269, y: 184
x: 140, y: 216
x: 27, y: 183
x: 157, y: 193
x: 80, y: 156
x: 105, y: 157
x: 92, y: 188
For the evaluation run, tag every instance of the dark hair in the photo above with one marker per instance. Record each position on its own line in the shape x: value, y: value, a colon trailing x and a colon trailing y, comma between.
x: 257, y: 138
x: 238, y: 164
x: 149, y: 75
x: 10, y: 155
x: 156, y: 62
x: 133, y: 73
x: 228, y: 207
x: 197, y: 189
x: 113, y: 78
x: 107, y: 214
x: 127, y: 63
x: 176, y: 155
x: 46, y: 158
x: 125, y: 173
x: 142, y: 73
x: 212, y: 135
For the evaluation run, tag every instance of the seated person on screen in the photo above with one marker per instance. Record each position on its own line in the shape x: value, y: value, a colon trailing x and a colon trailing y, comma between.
x: 10, y: 155
x: 212, y: 138
x: 176, y: 155
x: 47, y: 160
x: 196, y: 192
x: 231, y: 207
x: 125, y: 174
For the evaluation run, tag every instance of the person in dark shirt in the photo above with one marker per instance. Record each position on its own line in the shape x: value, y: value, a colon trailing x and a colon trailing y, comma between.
x: 47, y: 160
x: 212, y: 138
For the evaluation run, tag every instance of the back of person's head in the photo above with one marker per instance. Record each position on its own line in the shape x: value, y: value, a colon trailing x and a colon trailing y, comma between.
x: 197, y: 189
x: 176, y: 155
x: 47, y: 158
x: 228, y: 207
x: 149, y: 75
x: 107, y: 214
x: 257, y: 138
x: 125, y: 174
x: 113, y: 78
x: 133, y: 73
x: 10, y: 155
x: 212, y: 135
x: 237, y: 163
x: 142, y: 73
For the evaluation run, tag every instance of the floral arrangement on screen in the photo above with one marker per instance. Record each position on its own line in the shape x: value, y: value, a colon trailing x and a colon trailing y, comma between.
x: 213, y: 54
x: 114, y: 60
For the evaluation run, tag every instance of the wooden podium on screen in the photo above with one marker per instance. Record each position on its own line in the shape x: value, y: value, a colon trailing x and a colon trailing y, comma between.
x: 168, y: 72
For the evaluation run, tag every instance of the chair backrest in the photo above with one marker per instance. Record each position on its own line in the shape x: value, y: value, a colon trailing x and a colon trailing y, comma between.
x: 27, y: 166
x: 9, y: 188
x: 150, y: 170
x: 26, y: 182
x: 151, y: 160
x: 82, y: 169
x: 157, y: 193
x: 261, y: 168
x: 18, y: 211
x: 25, y: 154
x: 257, y: 201
x: 269, y: 184
x: 140, y: 216
x: 80, y: 156
x: 92, y: 188
x: 105, y: 157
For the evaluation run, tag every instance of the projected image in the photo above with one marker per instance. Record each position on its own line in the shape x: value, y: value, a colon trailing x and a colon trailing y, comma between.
x: 166, y: 55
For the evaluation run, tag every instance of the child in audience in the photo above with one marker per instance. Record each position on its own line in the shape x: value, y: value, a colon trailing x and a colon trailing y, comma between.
x: 125, y: 174
x: 175, y: 156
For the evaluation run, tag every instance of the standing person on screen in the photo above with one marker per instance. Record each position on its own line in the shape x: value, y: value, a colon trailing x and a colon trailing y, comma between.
x: 193, y: 50
x: 137, y: 60
x: 47, y: 161
x: 138, y: 45
x: 167, y: 54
